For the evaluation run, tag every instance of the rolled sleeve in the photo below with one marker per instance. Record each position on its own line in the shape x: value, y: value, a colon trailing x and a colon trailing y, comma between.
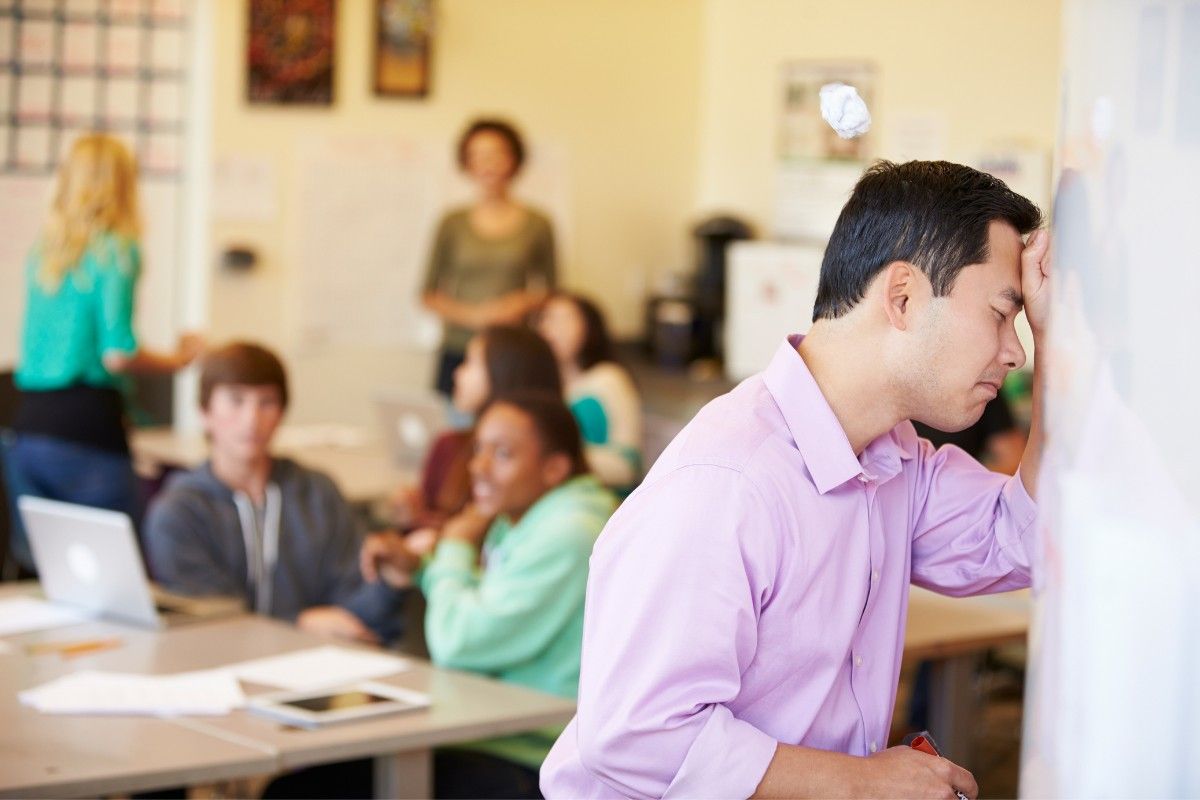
x: 973, y: 532
x: 739, y: 750
x: 662, y: 670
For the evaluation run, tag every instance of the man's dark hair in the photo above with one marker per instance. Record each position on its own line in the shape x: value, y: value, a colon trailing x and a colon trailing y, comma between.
x: 517, y: 359
x: 500, y: 127
x: 557, y: 430
x: 933, y: 214
x: 242, y: 364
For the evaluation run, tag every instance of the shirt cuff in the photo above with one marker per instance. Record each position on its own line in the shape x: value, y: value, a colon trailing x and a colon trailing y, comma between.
x: 727, y: 759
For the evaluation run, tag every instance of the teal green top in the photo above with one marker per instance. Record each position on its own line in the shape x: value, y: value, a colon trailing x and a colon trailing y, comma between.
x: 67, y: 332
x: 520, y: 618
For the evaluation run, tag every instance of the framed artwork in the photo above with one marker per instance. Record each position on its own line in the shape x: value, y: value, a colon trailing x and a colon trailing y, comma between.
x: 289, y: 52
x: 403, y: 39
x: 803, y: 134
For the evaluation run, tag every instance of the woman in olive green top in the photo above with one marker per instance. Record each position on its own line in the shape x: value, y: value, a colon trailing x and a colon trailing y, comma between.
x: 505, y: 585
x: 493, y: 261
x: 78, y: 342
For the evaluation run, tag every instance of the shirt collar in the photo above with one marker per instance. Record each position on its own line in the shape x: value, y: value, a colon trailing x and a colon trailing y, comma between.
x: 817, y: 432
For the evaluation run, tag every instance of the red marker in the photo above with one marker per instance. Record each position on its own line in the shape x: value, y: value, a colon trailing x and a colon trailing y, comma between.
x: 923, y: 741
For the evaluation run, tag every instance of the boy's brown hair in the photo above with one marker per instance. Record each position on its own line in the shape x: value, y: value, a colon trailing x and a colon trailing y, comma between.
x: 244, y: 364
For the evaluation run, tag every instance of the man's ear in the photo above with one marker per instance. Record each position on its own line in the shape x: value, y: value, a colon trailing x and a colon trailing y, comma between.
x: 900, y: 281
x: 556, y: 468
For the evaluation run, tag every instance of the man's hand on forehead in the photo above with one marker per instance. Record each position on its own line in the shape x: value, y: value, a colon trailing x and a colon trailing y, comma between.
x: 1035, y: 279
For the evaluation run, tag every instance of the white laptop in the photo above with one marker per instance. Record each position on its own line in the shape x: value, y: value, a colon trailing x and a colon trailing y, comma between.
x: 411, y: 421
x: 88, y: 558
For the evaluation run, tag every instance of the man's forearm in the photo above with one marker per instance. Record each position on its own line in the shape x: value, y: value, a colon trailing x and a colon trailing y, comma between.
x: 1031, y: 461
x: 807, y: 772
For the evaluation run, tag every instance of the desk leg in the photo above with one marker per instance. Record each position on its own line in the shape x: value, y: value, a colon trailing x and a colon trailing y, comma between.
x: 408, y: 774
x: 953, y: 707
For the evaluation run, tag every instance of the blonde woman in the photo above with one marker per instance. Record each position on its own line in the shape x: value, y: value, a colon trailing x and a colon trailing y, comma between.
x: 78, y: 343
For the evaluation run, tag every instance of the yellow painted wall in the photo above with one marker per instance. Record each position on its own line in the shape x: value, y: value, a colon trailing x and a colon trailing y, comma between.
x: 989, y: 67
x: 663, y: 107
x: 614, y: 83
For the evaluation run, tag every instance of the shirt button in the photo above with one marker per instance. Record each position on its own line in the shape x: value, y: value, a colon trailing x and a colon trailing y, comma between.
x: 874, y: 747
x: 858, y: 661
x: 863, y: 479
x: 875, y: 575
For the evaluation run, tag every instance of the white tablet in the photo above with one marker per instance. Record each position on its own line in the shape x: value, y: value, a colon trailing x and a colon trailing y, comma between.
x: 313, y: 709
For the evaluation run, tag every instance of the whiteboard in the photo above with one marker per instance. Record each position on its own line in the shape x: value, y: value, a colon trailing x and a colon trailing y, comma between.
x: 368, y: 209
x: 1114, y: 679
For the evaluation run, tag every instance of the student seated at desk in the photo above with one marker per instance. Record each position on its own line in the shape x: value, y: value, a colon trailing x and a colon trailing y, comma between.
x: 505, y: 584
x: 600, y: 391
x: 263, y: 528
x: 499, y: 360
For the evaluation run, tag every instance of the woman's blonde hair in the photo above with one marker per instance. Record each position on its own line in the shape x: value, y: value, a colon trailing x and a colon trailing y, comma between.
x: 96, y: 194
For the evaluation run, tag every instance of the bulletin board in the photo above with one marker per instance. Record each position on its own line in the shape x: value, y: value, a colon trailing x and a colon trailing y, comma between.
x: 68, y: 67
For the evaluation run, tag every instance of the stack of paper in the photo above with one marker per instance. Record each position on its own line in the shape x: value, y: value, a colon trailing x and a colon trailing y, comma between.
x: 318, y: 667
x: 208, y: 692
x: 24, y: 614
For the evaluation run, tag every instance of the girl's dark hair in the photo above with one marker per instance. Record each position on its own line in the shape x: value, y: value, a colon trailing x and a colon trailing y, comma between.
x: 518, y: 359
x: 933, y: 214
x: 597, y: 344
x: 501, y: 128
x: 557, y: 430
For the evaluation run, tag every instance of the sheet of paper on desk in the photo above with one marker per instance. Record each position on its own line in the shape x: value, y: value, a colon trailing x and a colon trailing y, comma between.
x: 25, y: 614
x: 321, y: 435
x: 207, y: 693
x: 318, y: 667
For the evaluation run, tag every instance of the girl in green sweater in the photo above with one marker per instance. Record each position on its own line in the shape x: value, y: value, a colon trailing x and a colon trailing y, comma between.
x: 505, y: 583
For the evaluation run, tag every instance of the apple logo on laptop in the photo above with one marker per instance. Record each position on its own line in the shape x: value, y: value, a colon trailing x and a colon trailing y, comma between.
x: 412, y: 431
x: 82, y: 563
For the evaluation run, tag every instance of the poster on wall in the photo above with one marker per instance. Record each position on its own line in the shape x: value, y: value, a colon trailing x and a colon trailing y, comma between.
x: 290, y: 53
x: 803, y: 134
x: 817, y: 168
x: 403, y: 39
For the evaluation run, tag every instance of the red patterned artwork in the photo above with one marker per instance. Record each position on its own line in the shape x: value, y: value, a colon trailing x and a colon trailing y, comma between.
x: 290, y: 51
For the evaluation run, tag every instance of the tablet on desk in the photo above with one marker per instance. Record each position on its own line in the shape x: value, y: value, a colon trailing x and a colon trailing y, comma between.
x: 314, y: 709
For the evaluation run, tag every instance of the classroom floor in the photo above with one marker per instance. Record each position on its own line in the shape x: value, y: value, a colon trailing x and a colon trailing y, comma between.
x: 670, y: 398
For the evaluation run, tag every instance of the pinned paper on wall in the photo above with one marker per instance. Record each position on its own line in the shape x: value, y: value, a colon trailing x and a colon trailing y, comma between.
x: 803, y: 131
x: 1026, y: 170
x: 917, y: 136
x: 810, y: 195
x: 244, y: 188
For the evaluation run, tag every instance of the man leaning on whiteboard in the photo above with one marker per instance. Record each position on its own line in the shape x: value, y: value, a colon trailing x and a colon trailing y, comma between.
x: 746, y: 606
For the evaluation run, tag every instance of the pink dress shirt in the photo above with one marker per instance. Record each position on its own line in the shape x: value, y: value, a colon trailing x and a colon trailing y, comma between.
x: 754, y: 590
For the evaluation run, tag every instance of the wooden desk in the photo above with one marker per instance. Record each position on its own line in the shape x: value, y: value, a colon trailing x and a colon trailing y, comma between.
x: 44, y: 755
x: 464, y: 707
x: 954, y: 633
x: 361, y: 468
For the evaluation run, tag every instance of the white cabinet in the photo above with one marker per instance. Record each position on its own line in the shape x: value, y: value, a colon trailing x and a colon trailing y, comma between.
x: 771, y: 288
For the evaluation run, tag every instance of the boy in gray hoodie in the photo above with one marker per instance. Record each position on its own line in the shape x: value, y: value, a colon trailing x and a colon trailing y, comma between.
x: 267, y: 529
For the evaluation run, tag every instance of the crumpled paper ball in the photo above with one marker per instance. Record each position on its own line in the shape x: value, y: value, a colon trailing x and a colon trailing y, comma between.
x: 844, y: 110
